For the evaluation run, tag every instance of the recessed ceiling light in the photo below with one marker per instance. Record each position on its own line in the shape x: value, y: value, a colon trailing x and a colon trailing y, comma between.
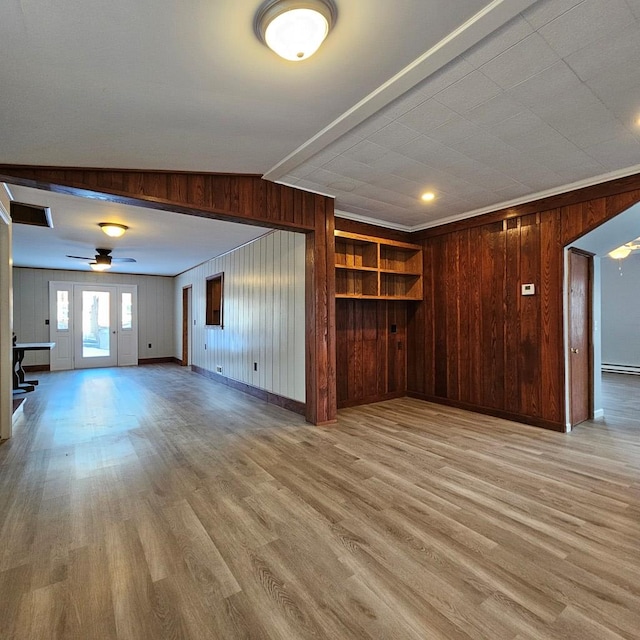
x: 113, y: 229
x: 428, y: 196
x: 295, y: 29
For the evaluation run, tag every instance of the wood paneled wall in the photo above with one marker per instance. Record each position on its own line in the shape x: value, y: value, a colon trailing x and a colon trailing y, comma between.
x: 475, y: 341
x: 155, y: 308
x: 263, y: 315
x: 371, y: 361
x: 239, y: 198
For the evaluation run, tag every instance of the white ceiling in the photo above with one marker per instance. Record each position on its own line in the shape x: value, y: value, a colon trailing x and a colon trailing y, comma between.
x: 162, y: 243
x: 485, y: 103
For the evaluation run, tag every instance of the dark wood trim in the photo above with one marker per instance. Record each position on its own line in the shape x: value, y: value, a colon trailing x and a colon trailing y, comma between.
x: 17, y: 404
x: 246, y: 199
x: 577, y: 196
x: 490, y: 411
x: 171, y: 359
x: 37, y: 367
x: 267, y: 396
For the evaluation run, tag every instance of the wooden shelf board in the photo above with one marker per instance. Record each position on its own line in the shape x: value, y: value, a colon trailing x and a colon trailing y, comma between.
x: 383, y: 242
x: 350, y: 268
x: 349, y: 296
x: 401, y: 273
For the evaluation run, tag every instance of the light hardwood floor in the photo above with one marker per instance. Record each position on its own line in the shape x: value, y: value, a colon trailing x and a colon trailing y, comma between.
x: 151, y: 503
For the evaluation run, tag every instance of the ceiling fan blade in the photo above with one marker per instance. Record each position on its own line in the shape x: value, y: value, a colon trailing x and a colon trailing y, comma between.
x: 80, y: 257
x: 123, y: 260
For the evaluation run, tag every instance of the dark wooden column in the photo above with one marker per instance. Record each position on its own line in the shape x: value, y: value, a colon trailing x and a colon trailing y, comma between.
x: 320, y: 318
x: 245, y: 199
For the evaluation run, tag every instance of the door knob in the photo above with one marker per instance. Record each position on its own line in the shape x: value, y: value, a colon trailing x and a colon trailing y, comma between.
x: 575, y: 350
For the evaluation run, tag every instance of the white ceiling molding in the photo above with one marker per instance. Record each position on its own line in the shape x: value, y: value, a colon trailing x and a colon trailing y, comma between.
x: 614, y: 175
x: 378, y: 223
x: 481, y: 25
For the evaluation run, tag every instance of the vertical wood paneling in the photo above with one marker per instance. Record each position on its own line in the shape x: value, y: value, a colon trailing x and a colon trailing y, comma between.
x: 493, y: 250
x: 155, y: 307
x: 476, y: 340
x: 512, y: 316
x: 552, y: 342
x: 261, y: 293
x: 371, y: 361
x: 441, y: 319
x: 528, y: 365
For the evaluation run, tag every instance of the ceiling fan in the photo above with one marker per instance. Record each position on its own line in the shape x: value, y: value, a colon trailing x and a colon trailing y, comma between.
x: 102, y: 260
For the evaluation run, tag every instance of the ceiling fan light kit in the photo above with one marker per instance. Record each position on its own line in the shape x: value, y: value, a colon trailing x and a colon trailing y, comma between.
x: 100, y: 266
x: 102, y: 260
x: 295, y: 29
x: 625, y: 250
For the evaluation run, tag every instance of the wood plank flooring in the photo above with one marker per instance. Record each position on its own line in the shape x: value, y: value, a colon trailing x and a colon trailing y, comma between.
x: 150, y: 503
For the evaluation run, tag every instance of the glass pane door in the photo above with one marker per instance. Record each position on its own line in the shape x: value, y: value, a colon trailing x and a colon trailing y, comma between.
x: 96, y: 344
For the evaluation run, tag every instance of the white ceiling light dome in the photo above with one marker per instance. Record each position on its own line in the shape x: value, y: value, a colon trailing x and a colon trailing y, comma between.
x: 295, y: 29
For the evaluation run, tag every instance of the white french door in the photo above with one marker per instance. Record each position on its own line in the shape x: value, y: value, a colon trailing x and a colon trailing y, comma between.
x: 92, y: 325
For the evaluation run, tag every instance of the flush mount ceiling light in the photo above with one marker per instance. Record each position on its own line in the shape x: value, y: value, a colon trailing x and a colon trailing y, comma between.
x: 295, y: 29
x: 429, y: 196
x: 113, y: 229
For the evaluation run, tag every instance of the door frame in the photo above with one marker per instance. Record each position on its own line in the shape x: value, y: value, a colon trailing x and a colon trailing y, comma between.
x: 126, y: 341
x: 6, y: 319
x: 567, y: 333
x: 186, y: 325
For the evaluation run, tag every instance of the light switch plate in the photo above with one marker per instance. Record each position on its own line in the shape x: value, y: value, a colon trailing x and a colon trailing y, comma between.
x: 528, y: 289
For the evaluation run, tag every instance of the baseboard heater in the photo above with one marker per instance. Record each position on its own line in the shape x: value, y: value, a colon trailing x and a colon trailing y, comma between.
x: 633, y: 370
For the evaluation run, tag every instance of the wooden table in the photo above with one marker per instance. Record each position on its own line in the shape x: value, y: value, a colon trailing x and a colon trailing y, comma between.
x: 19, y: 348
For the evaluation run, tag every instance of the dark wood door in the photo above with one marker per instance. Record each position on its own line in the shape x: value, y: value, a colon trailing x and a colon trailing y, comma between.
x: 185, y: 326
x: 580, y: 336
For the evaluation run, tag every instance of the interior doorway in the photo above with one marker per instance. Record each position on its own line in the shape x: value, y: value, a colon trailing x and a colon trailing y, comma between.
x: 186, y: 326
x: 93, y: 325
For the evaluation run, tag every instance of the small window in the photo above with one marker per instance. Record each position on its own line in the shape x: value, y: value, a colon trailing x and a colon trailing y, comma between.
x: 214, y: 300
x: 62, y: 310
x: 127, y: 311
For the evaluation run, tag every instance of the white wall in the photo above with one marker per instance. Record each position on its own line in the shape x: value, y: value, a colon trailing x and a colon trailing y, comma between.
x: 621, y: 311
x: 263, y: 315
x: 155, y: 308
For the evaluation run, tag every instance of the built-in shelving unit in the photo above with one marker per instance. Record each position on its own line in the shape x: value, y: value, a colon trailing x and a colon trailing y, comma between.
x: 376, y: 268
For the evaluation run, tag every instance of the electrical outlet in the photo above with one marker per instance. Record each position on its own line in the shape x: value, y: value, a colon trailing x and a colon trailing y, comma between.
x: 218, y: 369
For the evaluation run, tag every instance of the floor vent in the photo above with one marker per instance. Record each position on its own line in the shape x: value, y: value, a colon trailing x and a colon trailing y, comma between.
x: 30, y: 214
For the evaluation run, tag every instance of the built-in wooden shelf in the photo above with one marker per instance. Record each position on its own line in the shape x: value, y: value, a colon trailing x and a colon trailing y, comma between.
x: 374, y: 268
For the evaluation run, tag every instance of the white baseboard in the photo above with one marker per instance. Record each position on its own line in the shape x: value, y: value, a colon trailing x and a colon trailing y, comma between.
x: 598, y: 413
x: 621, y: 368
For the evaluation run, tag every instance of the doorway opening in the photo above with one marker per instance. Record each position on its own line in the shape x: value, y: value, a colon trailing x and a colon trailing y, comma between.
x: 613, y: 311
